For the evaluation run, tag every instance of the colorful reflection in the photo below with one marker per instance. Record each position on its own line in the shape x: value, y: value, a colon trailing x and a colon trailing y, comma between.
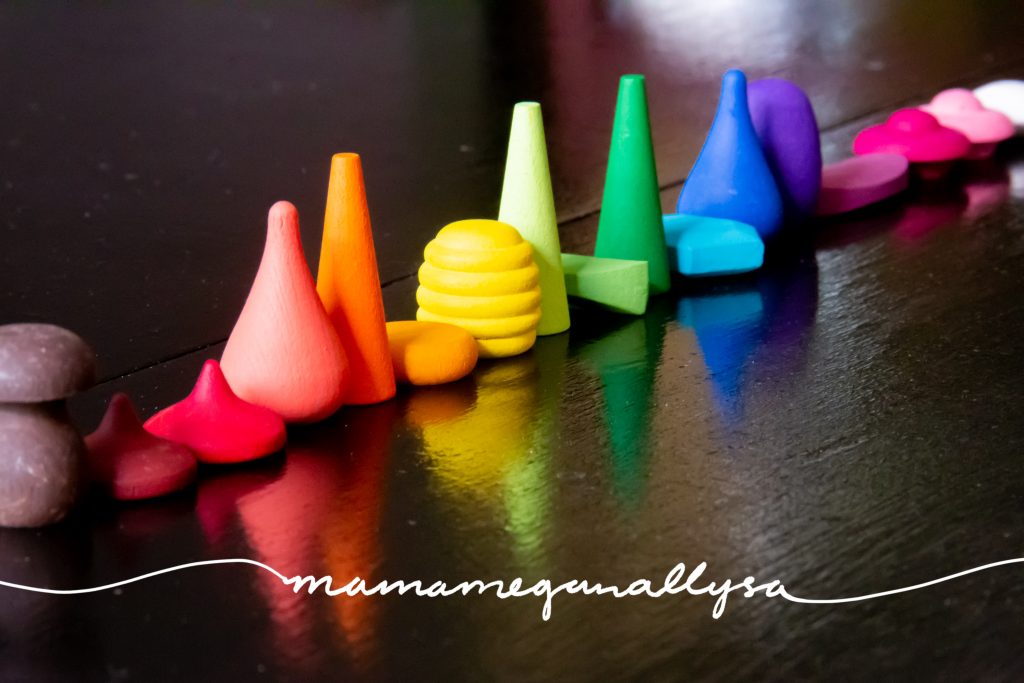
x: 488, y: 441
x: 789, y: 293
x: 987, y: 186
x: 217, y: 501
x: 350, y: 537
x: 766, y: 319
x: 929, y: 207
x: 318, y: 515
x: 976, y: 190
x: 627, y: 360
x: 727, y: 326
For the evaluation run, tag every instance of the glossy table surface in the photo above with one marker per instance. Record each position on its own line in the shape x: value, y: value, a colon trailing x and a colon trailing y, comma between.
x: 847, y: 421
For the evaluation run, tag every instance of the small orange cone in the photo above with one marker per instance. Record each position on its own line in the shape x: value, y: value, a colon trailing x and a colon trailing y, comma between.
x: 349, y: 285
x: 283, y: 352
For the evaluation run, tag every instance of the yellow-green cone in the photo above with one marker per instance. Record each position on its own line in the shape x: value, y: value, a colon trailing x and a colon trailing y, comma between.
x: 527, y: 203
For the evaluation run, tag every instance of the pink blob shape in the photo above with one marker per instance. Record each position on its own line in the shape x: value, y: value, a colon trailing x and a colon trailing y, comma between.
x: 914, y: 134
x: 217, y: 425
x: 960, y: 110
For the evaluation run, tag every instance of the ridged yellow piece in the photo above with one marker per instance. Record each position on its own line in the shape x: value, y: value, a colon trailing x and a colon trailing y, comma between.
x: 493, y: 260
x: 478, y: 306
x: 479, y: 284
x: 481, y: 276
x: 486, y: 328
x: 478, y: 234
x: 509, y: 346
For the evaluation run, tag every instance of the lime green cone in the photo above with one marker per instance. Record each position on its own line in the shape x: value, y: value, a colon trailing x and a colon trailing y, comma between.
x: 527, y: 203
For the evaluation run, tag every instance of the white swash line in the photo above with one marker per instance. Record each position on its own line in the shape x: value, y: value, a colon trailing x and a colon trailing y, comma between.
x: 143, y: 577
x: 515, y: 588
x: 871, y: 596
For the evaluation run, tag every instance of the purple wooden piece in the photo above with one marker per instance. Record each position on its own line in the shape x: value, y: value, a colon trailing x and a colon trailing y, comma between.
x: 788, y: 132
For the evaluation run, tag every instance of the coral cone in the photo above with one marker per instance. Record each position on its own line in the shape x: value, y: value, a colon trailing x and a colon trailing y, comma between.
x: 284, y: 353
x: 349, y: 286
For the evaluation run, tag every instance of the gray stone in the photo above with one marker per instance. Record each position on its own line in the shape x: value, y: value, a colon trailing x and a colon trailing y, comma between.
x: 40, y: 362
x: 41, y: 464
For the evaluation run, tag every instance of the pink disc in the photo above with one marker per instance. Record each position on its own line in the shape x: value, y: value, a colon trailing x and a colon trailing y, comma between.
x: 860, y: 181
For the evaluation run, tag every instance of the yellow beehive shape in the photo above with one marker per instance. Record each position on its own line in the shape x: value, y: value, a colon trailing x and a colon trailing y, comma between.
x: 480, y: 275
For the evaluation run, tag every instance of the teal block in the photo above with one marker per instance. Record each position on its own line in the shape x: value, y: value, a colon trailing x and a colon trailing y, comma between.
x: 700, y: 246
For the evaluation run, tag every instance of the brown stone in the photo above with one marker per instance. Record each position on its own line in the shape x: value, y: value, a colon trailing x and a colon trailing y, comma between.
x: 41, y: 459
x: 40, y: 362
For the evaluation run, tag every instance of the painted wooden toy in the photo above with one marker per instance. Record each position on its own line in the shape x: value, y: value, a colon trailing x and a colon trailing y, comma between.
x: 428, y: 353
x: 218, y: 426
x: 918, y: 136
x: 630, y: 224
x: 349, y: 285
x: 619, y: 285
x: 1006, y: 96
x: 860, y: 181
x: 731, y: 178
x: 960, y: 110
x: 130, y: 463
x: 788, y: 131
x: 41, y: 453
x: 480, y: 275
x: 699, y: 246
x: 284, y: 353
x: 528, y: 204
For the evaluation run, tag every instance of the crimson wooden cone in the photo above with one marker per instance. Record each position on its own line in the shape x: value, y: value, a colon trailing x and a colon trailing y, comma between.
x: 284, y: 353
x: 132, y: 464
x: 349, y: 285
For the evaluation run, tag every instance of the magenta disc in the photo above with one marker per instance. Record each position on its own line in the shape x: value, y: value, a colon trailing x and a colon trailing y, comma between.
x: 861, y: 180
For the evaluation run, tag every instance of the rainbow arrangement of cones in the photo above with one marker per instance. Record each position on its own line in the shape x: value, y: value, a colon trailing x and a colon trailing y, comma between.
x: 301, y: 348
x: 304, y: 350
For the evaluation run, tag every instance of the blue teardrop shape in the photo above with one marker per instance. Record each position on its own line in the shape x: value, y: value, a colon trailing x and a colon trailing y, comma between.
x: 731, y: 178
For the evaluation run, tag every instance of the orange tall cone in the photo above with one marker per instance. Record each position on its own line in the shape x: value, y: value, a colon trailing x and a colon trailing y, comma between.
x: 349, y: 285
x: 284, y: 353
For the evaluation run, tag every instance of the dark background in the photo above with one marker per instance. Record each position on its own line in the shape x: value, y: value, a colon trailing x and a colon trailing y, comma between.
x: 847, y: 420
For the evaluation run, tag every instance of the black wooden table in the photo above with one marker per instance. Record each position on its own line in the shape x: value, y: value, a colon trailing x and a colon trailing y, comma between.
x: 847, y: 421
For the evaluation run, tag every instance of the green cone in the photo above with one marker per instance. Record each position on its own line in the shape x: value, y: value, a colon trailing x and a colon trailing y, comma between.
x: 630, y: 226
x: 528, y: 205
